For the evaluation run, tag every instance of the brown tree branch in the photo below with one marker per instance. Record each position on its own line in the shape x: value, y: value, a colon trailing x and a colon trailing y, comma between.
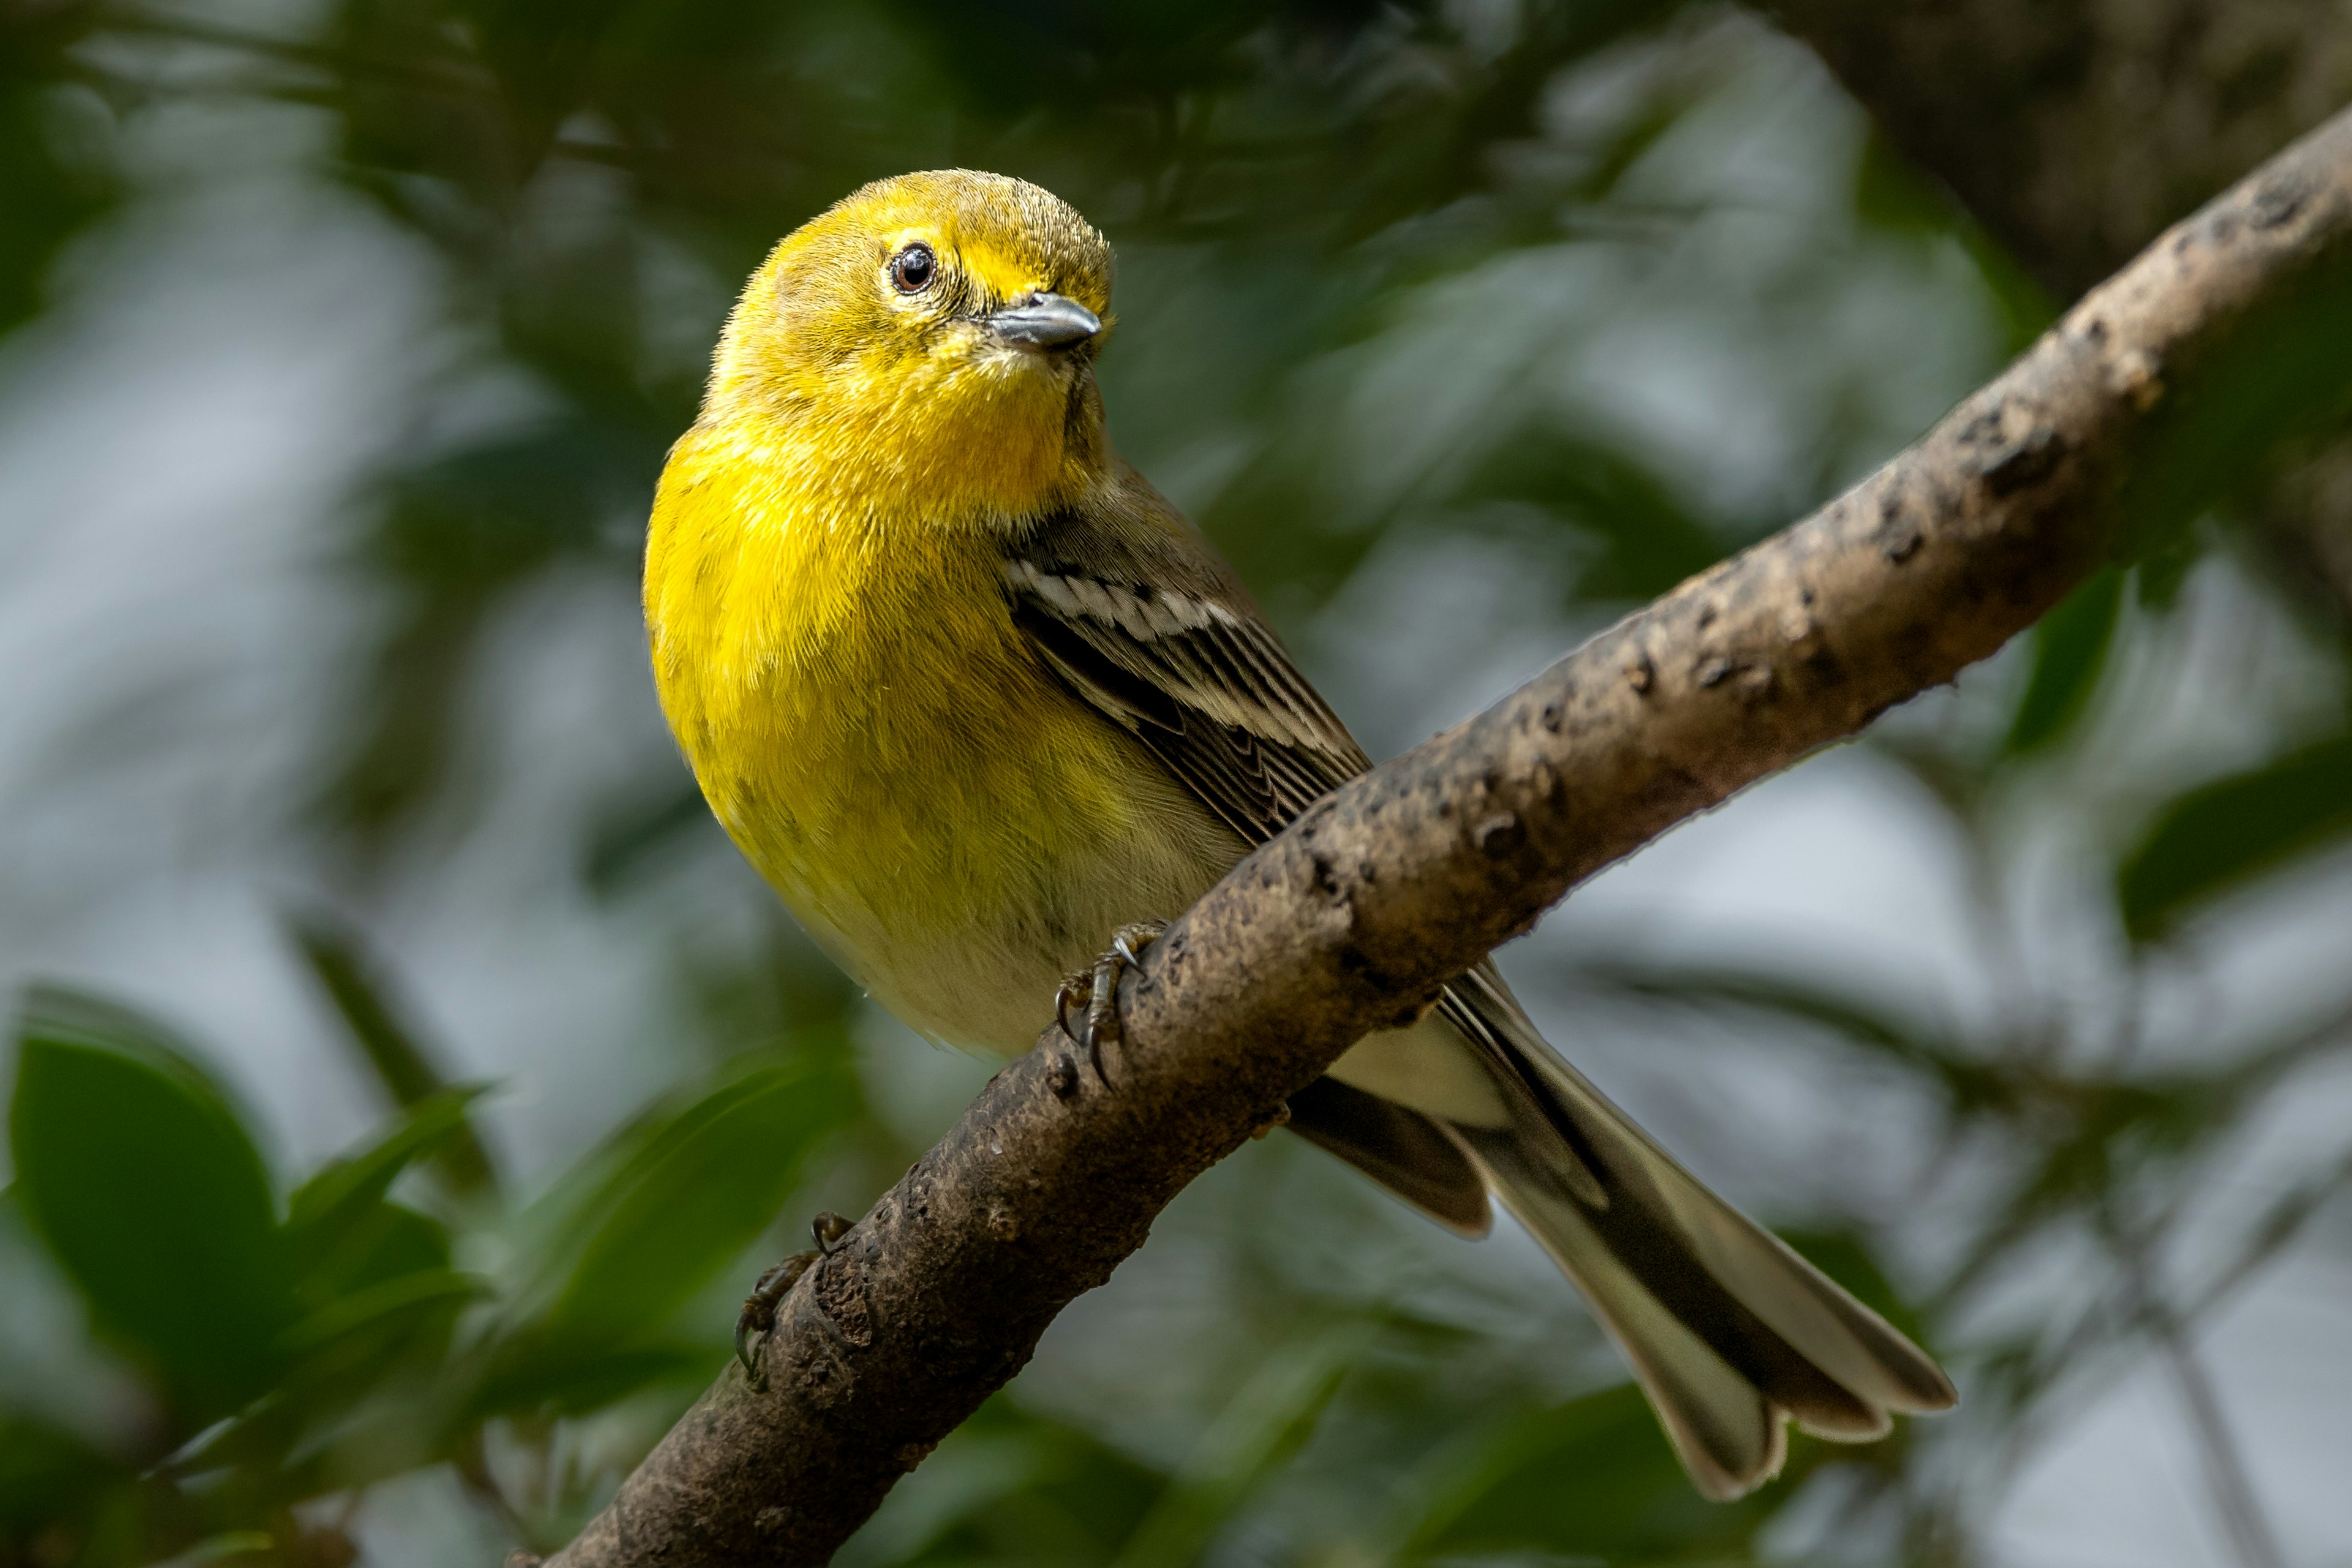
x: 2072, y: 130
x: 1354, y: 917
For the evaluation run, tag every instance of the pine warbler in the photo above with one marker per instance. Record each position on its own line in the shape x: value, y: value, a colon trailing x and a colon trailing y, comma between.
x: 972, y: 695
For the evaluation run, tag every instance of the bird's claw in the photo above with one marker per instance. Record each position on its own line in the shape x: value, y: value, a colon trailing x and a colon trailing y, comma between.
x: 1098, y: 988
x: 1073, y: 988
x: 757, y: 1318
x: 1127, y: 945
x: 827, y: 1230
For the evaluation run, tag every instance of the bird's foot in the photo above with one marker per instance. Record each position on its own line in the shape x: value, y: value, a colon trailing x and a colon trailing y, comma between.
x: 757, y: 1318
x: 1097, y: 988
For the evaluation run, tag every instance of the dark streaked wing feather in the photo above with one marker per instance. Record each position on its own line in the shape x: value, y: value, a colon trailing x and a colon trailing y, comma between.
x: 1402, y: 1149
x: 1211, y: 692
x: 1218, y: 702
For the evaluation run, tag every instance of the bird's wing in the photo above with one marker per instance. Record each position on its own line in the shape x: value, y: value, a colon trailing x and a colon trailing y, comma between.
x: 1145, y: 623
x: 1210, y: 690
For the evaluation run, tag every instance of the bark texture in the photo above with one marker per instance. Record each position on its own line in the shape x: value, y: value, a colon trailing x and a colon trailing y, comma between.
x: 1354, y: 917
x: 2072, y: 130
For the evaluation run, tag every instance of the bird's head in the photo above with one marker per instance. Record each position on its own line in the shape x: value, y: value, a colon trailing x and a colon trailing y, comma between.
x: 931, y: 339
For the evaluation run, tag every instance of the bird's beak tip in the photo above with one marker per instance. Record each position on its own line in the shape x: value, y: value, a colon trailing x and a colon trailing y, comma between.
x: 1045, y: 322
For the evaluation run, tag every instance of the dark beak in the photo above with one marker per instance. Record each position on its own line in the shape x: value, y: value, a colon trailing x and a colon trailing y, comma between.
x: 1045, y: 322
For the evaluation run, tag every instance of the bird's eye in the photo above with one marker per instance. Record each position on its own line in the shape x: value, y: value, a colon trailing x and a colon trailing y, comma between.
x: 912, y: 269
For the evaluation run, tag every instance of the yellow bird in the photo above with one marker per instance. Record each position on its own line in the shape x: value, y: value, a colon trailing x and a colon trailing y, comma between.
x: 972, y: 695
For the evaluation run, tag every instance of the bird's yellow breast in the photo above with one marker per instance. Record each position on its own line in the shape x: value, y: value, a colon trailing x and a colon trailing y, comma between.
x: 869, y: 727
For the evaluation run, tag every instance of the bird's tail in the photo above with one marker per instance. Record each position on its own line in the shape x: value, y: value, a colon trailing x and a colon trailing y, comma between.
x: 1728, y: 1331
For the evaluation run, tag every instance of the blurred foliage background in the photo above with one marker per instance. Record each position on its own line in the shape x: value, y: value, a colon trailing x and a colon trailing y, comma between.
x: 406, y: 1079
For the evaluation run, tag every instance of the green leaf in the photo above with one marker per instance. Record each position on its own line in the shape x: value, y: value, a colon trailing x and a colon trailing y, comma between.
x: 1892, y: 193
x: 1253, y: 1438
x: 630, y: 835
x: 227, y: 1547
x: 1012, y: 1485
x: 56, y: 185
x: 529, y: 1371
x: 47, y: 1475
x: 699, y: 1192
x: 340, y: 1233
x: 650, y: 1220
x: 972, y: 1472
x: 1649, y: 541
x: 2163, y: 567
x: 356, y: 1181
x: 141, y: 1179
x: 1594, y: 1476
x: 388, y: 1309
x: 389, y: 1046
x: 382, y: 1312
x: 2226, y: 834
x: 2070, y: 651
x: 1889, y: 192
x: 381, y: 1243
x: 393, y: 1298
